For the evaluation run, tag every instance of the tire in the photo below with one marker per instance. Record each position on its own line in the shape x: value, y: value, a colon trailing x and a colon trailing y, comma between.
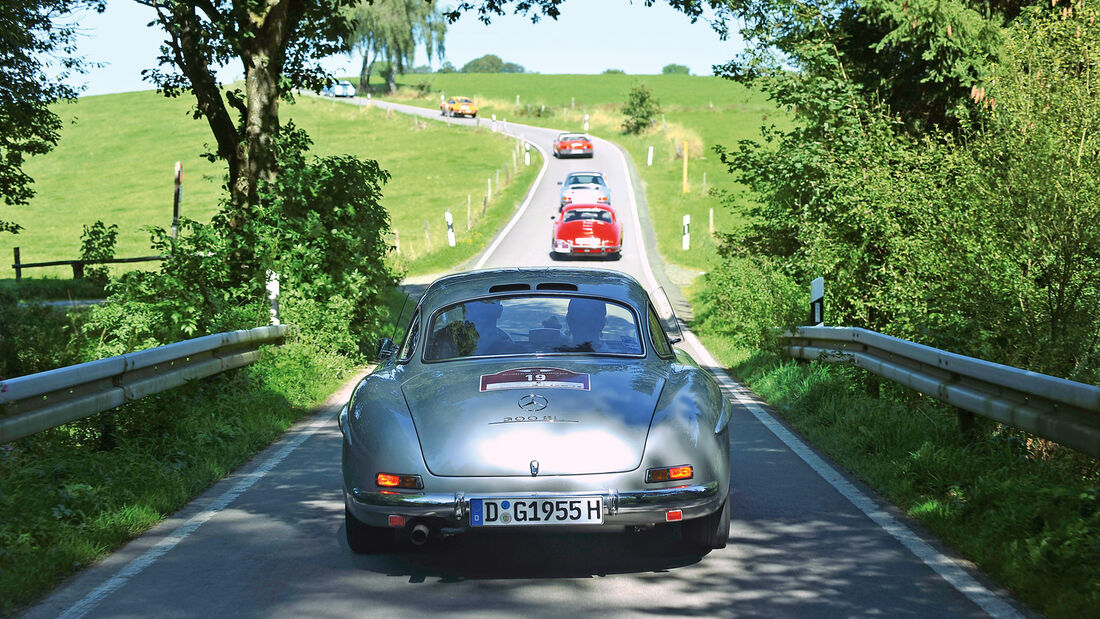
x: 363, y: 539
x: 451, y: 113
x: 442, y: 112
x: 709, y: 532
x: 474, y: 115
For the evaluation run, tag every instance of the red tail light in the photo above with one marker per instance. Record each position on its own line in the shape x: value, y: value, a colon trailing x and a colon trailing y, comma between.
x: 669, y: 473
x: 390, y: 480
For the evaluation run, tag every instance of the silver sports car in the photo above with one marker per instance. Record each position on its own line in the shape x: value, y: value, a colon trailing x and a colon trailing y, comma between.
x: 543, y: 398
x: 584, y: 188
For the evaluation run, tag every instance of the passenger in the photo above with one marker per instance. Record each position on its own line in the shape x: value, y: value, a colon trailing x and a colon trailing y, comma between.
x: 586, y: 319
x: 491, y: 339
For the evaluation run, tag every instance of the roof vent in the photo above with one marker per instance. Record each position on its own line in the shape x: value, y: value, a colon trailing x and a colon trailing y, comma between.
x: 556, y: 286
x: 509, y: 287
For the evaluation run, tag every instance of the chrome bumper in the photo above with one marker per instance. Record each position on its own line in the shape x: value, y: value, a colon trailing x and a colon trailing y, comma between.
x: 640, y: 507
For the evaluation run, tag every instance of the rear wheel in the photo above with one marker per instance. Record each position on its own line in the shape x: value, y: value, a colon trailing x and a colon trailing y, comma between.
x: 709, y: 532
x: 363, y: 539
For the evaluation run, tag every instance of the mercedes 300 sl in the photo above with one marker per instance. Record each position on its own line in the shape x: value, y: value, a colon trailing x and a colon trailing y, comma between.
x: 539, y: 398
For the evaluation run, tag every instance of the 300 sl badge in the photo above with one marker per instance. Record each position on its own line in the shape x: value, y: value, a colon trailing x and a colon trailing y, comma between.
x: 527, y: 378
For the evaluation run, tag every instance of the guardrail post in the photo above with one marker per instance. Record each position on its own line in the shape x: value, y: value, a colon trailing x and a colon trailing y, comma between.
x: 967, y: 426
x: 15, y: 265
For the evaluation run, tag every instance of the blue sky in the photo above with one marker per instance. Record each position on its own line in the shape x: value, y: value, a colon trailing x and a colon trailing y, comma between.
x: 588, y: 37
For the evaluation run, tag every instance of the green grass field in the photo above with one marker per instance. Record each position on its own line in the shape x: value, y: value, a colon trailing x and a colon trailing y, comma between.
x: 117, y: 154
x: 702, y: 111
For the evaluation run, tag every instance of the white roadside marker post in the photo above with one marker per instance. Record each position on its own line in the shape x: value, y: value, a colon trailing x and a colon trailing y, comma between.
x: 586, y: 122
x: 494, y: 122
x: 450, y: 228
x: 526, y: 153
x: 817, y: 302
x: 687, y: 234
x: 712, y: 221
x: 649, y: 159
x: 489, y: 191
x: 273, y: 295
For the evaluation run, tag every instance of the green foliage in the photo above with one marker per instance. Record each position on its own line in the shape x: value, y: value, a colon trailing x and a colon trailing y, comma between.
x: 325, y: 231
x: 98, y: 243
x: 189, y: 296
x: 986, y: 245
x: 613, y: 72
x: 641, y: 108
x: 674, y: 68
x: 745, y: 299
x: 491, y: 63
x: 35, y: 338
x: 447, y: 67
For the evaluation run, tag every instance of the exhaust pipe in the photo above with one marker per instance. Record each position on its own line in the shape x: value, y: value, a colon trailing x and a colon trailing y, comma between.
x: 419, y: 534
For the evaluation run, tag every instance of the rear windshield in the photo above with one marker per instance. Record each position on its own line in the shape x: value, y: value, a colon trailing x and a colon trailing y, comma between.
x: 584, y: 179
x: 566, y: 138
x: 593, y: 214
x: 464, y: 100
x: 524, y: 325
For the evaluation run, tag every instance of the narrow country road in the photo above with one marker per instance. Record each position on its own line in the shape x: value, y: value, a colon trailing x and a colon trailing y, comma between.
x: 806, y: 541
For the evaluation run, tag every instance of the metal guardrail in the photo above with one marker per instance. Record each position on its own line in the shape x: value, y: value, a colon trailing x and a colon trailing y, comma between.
x: 33, y: 403
x: 1060, y: 410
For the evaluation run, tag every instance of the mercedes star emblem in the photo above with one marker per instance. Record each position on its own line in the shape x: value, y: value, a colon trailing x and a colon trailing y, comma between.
x: 534, y: 468
x: 533, y: 403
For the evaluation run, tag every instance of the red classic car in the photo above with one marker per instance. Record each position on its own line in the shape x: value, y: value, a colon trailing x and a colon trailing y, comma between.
x: 587, y: 230
x: 573, y: 145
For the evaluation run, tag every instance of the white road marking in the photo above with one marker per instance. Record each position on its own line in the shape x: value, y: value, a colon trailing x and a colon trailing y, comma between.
x: 522, y: 209
x: 135, y: 567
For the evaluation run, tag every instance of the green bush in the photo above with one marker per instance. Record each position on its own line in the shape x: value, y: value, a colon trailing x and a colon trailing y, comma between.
x: 98, y: 243
x: 679, y: 69
x: 641, y: 110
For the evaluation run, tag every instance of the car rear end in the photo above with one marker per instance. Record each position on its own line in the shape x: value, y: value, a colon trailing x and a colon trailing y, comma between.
x: 575, y: 146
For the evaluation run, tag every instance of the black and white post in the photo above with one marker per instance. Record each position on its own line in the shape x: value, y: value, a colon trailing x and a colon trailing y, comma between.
x: 687, y: 233
x: 177, y: 194
x: 526, y: 153
x: 817, y: 302
x: 450, y: 228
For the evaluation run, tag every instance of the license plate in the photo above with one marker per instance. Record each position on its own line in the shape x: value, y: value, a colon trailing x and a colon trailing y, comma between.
x: 578, y: 148
x: 587, y: 241
x: 528, y: 512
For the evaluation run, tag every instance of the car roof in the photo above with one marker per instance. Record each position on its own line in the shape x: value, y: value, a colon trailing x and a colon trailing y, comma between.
x: 614, y: 285
x: 579, y: 173
x: 573, y: 135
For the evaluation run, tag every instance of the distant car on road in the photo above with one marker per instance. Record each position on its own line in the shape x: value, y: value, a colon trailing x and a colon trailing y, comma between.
x: 587, y: 230
x: 573, y: 145
x: 584, y: 188
x: 458, y: 106
x: 536, y: 399
x: 342, y: 88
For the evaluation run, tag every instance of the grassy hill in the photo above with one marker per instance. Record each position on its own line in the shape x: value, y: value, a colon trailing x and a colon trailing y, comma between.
x: 117, y: 155
x: 701, y: 111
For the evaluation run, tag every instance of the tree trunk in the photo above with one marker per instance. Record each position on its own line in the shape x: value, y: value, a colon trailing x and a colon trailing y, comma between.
x: 365, y: 71
x: 391, y: 80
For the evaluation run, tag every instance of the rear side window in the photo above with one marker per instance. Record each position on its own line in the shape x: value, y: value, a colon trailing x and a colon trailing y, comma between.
x: 408, y: 347
x: 658, y: 337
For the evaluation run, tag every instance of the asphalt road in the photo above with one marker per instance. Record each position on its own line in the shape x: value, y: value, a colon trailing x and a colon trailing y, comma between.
x: 269, y: 540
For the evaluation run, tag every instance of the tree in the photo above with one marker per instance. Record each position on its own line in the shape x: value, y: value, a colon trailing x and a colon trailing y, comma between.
x: 279, y: 44
x: 489, y: 63
x: 640, y: 109
x: 36, y: 47
x: 511, y: 67
x: 390, y: 30
x: 670, y: 69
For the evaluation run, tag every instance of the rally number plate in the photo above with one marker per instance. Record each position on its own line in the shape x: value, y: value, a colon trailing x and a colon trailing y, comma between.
x: 536, y: 511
